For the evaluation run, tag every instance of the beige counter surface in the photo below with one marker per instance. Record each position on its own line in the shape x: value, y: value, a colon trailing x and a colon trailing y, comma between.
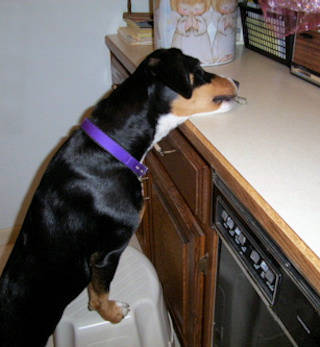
x: 268, y: 151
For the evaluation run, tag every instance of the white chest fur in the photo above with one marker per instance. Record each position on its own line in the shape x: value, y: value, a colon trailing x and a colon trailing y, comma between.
x: 166, y: 123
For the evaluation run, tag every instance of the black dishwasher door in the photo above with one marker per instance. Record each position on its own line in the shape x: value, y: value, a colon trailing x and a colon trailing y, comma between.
x: 242, y: 319
x: 261, y: 299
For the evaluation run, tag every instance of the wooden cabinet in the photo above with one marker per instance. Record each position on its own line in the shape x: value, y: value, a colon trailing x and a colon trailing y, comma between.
x: 177, y: 247
x: 173, y: 231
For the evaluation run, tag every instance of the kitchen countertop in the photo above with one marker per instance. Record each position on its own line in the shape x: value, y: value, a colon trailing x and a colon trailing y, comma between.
x: 271, y: 147
x: 274, y: 140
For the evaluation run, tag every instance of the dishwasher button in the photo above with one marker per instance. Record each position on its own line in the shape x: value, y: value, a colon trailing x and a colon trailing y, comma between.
x: 237, y: 231
x: 224, y: 215
x: 270, y: 276
x: 231, y: 232
x: 242, y: 239
x: 230, y: 223
x: 254, y: 256
x: 264, y: 266
x: 244, y: 249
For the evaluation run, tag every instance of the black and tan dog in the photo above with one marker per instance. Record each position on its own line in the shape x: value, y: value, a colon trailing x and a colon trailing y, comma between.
x: 88, y: 203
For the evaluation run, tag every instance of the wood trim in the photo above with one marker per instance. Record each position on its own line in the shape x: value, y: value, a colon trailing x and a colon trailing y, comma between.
x: 129, y: 56
x: 212, y: 249
x: 9, y: 235
x: 118, y: 72
x: 143, y: 232
x: 304, y: 259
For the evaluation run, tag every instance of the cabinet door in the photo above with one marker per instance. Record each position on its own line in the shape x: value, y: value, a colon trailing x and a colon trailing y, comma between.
x: 177, y: 244
x: 189, y: 172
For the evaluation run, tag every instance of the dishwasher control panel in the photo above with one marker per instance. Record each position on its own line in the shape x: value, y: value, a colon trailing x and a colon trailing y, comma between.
x: 258, y: 263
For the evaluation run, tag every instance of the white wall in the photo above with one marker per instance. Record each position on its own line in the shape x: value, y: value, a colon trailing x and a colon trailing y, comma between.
x: 53, y: 65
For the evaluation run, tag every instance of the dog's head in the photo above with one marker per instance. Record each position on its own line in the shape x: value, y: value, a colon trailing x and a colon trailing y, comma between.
x: 196, y: 91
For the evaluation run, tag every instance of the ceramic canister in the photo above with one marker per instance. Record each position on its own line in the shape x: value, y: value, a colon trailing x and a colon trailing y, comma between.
x: 205, y: 29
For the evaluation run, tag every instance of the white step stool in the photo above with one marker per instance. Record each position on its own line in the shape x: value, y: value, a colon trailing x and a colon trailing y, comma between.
x: 147, y: 324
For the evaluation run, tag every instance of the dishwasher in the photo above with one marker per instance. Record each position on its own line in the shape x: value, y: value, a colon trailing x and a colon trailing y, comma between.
x: 261, y: 299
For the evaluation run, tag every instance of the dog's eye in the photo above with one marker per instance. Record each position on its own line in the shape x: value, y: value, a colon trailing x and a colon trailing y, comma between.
x: 220, y: 98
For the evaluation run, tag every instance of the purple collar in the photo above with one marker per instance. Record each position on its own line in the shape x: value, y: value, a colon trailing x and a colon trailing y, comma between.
x: 103, y: 140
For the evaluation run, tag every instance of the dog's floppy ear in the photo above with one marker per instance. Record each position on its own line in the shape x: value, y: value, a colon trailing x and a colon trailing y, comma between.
x: 170, y: 67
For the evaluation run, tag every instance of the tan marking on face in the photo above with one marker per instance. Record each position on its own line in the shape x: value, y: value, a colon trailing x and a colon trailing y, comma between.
x: 202, y: 98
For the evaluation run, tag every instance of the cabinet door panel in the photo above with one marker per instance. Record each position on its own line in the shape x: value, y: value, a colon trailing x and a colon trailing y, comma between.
x: 177, y: 244
x: 188, y: 171
x: 168, y: 256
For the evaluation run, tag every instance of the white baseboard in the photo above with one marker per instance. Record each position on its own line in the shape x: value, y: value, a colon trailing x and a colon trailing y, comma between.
x: 9, y: 235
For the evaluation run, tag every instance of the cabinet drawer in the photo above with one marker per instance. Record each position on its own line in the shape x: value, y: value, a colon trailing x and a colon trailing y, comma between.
x: 188, y: 171
x: 307, y: 50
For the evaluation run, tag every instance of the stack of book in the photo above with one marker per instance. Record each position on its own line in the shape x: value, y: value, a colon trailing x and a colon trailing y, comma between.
x: 138, y: 30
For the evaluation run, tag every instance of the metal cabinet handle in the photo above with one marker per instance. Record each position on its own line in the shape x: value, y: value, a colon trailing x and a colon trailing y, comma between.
x: 162, y: 152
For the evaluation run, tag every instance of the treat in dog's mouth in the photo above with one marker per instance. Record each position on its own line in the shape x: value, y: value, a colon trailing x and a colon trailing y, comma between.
x: 238, y: 99
x: 241, y: 100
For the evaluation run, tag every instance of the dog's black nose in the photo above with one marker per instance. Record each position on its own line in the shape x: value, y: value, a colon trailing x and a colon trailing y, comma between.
x: 236, y: 83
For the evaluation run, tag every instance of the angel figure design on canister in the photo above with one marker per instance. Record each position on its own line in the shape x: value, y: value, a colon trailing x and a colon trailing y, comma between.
x: 191, y: 31
x: 223, y: 46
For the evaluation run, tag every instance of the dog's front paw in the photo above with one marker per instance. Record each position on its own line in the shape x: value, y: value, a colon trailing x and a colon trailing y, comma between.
x: 110, y: 310
x: 113, y: 311
x: 123, y: 308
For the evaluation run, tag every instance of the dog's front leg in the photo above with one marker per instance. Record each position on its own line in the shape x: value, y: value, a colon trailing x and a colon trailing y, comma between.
x: 103, y: 269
